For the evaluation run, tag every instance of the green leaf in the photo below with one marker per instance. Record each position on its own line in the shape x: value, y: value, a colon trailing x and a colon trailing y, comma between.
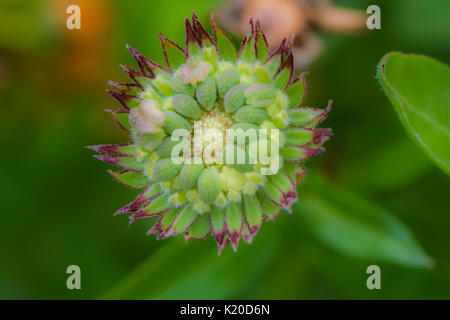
x: 132, y: 179
x: 224, y: 45
x: 174, y: 55
x: 295, y: 91
x: 419, y: 89
x: 358, y: 228
x: 395, y: 164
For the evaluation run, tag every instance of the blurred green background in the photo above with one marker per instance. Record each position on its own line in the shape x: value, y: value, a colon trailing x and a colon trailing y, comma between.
x: 57, y: 201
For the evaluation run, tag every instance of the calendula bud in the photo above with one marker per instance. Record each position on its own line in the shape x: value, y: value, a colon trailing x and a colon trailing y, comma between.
x: 206, y: 90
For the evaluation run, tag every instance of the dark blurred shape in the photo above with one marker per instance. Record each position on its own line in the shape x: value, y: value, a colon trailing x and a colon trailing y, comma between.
x: 283, y: 18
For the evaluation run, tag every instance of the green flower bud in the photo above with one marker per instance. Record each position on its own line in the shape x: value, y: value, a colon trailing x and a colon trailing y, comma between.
x: 207, y: 89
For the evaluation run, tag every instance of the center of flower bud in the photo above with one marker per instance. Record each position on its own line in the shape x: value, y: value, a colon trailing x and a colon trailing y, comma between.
x: 210, y: 136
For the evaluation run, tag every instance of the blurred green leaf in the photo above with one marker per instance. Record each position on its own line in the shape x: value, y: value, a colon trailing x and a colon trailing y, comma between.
x: 358, y: 228
x: 419, y: 89
x: 393, y: 165
x: 193, y: 270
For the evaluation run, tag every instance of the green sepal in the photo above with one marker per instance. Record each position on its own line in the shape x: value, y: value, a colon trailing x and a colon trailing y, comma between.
x: 294, y: 171
x: 131, y: 179
x: 234, y: 98
x: 217, y: 219
x: 303, y: 116
x: 158, y: 205
x: 192, y: 45
x: 284, y: 75
x: 168, y: 218
x: 260, y: 94
x: 186, y: 106
x: 244, y: 126
x: 121, y: 117
x: 148, y: 141
x: 189, y: 175
x: 273, y: 192
x: 166, y: 169
x: 199, y: 229
x: 162, y: 86
x: 224, y: 45
x: 180, y: 87
x: 281, y: 181
x: 153, y: 190
x: 125, y: 162
x: 206, y: 93
x: 184, y: 219
x: 262, y: 48
x: 248, y: 53
x: 251, y: 114
x: 270, y: 209
x: 297, y: 136
x: 173, y: 121
x: 174, y: 55
x: 164, y: 150
x: 226, y: 80
x: 252, y: 210
x: 295, y: 91
x: 273, y: 63
x: 292, y: 153
x: 209, y: 185
x: 262, y: 75
x: 233, y: 217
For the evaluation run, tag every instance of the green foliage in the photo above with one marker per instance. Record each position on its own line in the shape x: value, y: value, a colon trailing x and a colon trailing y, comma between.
x: 419, y: 89
x: 358, y: 228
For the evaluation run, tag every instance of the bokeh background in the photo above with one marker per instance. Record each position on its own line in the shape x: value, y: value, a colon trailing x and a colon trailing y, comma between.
x: 57, y: 201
